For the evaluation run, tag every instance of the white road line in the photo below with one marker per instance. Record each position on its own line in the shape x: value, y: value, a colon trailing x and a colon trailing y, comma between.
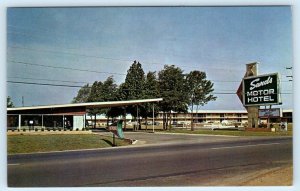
x: 14, y: 164
x: 215, y: 148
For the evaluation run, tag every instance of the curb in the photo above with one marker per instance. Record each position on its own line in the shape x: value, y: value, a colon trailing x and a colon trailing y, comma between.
x: 196, y: 134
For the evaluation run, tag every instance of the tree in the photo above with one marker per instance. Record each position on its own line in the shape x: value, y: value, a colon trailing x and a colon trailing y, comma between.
x: 133, y: 87
x: 134, y: 82
x: 151, y: 88
x: 9, y: 102
x: 109, y: 91
x: 199, y: 90
x: 82, y: 95
x: 172, y: 90
x: 95, y: 96
x: 101, y: 92
x: 121, y: 95
x: 151, y: 91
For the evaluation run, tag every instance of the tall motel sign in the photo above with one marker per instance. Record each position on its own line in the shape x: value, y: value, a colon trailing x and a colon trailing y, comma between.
x: 259, y: 90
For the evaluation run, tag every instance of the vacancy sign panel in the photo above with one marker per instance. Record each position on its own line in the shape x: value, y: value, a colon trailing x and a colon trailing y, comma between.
x: 265, y: 113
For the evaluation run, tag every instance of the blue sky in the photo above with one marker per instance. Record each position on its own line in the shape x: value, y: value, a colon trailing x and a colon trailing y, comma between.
x: 217, y: 40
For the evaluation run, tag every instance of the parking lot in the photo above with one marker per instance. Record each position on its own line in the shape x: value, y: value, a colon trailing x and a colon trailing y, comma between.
x: 170, y: 138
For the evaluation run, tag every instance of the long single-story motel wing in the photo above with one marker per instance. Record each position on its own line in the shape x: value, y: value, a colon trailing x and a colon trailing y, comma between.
x: 68, y: 116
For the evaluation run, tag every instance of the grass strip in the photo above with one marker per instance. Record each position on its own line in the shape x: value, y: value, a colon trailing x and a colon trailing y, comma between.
x: 231, y: 132
x: 45, y: 143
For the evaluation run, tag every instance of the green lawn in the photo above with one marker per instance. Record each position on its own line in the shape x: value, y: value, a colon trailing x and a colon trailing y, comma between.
x: 44, y: 143
x: 231, y: 132
x: 234, y: 132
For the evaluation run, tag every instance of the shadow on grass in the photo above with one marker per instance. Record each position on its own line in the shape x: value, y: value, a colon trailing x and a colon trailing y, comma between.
x: 108, y: 142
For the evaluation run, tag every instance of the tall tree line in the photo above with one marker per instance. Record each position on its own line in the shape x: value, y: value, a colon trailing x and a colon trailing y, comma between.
x: 180, y: 91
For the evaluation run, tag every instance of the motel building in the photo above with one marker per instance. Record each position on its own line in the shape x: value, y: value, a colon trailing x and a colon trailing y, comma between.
x: 75, y: 116
x: 200, y: 118
x: 58, y: 119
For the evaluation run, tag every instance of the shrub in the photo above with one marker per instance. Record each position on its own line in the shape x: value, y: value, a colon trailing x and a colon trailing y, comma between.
x: 42, y: 129
x: 18, y: 130
x: 54, y: 129
x: 48, y: 129
x: 36, y: 129
x: 83, y: 129
x: 71, y: 129
x: 24, y: 129
x: 77, y: 129
x: 59, y: 129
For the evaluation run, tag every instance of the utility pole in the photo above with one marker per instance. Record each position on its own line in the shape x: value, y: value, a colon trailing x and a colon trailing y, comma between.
x: 290, y: 77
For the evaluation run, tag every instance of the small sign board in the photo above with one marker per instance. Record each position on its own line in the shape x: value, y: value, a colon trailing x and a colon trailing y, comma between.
x: 283, y: 126
x: 261, y: 90
x: 265, y: 113
x: 116, y: 128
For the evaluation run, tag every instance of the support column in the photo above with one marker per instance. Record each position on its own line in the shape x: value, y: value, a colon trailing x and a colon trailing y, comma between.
x: 137, y: 117
x: 42, y: 121
x: 252, y: 117
x: 19, y: 124
x: 83, y: 119
x: 153, y: 117
x: 63, y: 126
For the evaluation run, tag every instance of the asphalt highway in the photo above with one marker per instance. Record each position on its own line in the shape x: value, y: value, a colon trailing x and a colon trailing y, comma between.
x: 175, y: 164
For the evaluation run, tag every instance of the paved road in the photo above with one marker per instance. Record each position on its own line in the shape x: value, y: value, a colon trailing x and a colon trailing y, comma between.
x: 176, y: 164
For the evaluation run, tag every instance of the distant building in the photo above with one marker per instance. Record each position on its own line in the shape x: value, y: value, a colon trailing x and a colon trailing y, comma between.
x: 209, y: 116
x: 202, y: 116
x: 218, y: 116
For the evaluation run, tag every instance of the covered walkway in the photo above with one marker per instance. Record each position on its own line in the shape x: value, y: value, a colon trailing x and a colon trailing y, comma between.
x: 64, y: 116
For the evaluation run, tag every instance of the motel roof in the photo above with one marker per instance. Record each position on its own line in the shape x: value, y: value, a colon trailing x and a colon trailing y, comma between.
x: 79, y: 106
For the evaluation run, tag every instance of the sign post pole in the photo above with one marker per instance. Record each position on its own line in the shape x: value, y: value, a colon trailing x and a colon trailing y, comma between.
x: 268, y: 119
x: 114, y: 140
x: 251, y: 70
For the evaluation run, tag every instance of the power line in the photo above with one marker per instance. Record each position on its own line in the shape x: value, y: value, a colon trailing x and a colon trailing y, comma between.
x: 92, y: 56
x: 21, y: 33
x: 97, y: 57
x: 72, y: 54
x: 107, y: 58
x: 66, y: 68
x: 84, y: 70
x: 44, y: 84
x: 43, y: 79
x: 73, y: 86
